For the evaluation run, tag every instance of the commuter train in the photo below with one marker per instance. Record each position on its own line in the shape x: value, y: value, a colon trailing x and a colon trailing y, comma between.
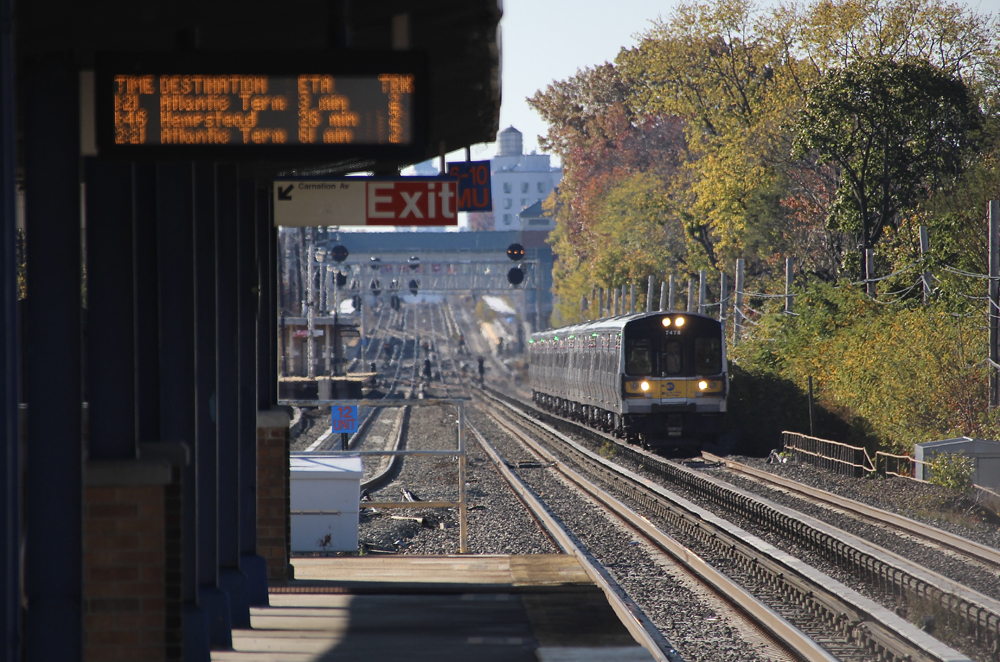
x: 658, y: 379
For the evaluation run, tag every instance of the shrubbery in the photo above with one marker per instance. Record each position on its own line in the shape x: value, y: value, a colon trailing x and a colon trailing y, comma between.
x: 952, y: 471
x: 885, y: 375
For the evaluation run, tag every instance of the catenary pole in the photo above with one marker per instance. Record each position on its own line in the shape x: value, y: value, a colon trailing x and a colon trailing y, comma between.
x: 701, y: 292
x: 789, y: 299
x: 994, y: 303
x: 925, y: 248
x: 738, y: 304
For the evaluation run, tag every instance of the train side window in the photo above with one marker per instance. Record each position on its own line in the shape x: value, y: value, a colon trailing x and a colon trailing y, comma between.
x: 707, y: 356
x: 639, y: 356
x: 672, y: 362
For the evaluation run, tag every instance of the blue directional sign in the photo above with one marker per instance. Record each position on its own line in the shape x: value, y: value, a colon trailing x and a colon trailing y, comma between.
x: 474, y: 188
x: 344, y: 419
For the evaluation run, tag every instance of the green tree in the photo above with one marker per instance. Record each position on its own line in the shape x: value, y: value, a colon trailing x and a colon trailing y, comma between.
x: 897, y: 131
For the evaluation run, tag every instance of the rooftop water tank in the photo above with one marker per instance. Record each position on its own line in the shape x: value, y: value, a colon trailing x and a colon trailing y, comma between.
x: 510, y: 142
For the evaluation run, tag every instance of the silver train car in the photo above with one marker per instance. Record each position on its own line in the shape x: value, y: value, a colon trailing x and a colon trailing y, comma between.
x: 658, y: 379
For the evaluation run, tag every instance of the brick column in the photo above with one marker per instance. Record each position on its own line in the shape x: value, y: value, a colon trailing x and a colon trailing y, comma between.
x: 132, y: 565
x: 273, y: 496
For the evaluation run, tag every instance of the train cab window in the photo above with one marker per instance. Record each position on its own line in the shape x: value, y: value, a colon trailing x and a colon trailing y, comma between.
x: 671, y: 362
x: 707, y: 356
x: 639, y: 356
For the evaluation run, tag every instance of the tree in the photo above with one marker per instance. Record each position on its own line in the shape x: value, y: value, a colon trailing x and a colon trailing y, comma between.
x: 896, y: 130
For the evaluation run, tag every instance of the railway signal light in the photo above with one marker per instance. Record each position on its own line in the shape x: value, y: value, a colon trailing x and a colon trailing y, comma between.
x: 376, y: 287
x: 375, y: 263
x: 414, y: 262
x: 341, y: 279
x: 516, y: 253
x: 339, y: 253
x: 413, y: 287
x: 515, y: 276
x: 394, y: 302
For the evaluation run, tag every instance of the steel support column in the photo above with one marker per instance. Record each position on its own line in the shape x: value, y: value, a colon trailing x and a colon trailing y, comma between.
x: 231, y: 578
x: 175, y: 234
x: 53, y: 488
x: 110, y: 382
x: 147, y: 318
x: 248, y: 285
x: 214, y: 601
x: 10, y: 450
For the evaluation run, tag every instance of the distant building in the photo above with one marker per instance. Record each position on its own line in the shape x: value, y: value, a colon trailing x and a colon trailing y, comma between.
x: 519, y: 182
x: 533, y: 218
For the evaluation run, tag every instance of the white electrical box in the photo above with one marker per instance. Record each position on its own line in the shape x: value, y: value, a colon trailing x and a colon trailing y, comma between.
x: 325, y: 497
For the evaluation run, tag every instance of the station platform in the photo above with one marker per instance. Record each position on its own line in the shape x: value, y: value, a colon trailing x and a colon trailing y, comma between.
x: 531, y: 608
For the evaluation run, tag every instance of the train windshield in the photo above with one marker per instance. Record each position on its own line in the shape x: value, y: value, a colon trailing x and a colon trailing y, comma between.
x: 708, y: 356
x: 639, y: 356
x: 670, y: 360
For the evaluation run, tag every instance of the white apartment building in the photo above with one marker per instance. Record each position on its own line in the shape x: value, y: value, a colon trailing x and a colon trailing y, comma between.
x: 519, y: 181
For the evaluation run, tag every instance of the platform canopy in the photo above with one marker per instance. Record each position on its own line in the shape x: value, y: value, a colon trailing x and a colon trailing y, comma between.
x: 457, y: 39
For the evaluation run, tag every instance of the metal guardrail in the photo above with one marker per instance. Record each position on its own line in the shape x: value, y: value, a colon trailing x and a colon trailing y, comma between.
x: 461, y: 504
x: 855, y: 461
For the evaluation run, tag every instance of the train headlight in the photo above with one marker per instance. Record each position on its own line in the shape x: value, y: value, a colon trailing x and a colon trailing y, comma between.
x: 702, y: 385
x: 666, y: 321
x: 644, y: 386
x: 679, y: 321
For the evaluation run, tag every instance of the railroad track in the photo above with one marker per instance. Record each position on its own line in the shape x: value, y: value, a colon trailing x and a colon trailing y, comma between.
x: 974, y: 551
x: 848, y: 624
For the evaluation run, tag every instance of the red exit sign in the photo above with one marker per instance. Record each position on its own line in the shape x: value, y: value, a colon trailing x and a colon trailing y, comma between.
x: 402, y: 202
x: 366, y: 201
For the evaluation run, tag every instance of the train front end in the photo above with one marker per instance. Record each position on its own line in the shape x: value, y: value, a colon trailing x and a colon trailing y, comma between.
x: 673, y: 380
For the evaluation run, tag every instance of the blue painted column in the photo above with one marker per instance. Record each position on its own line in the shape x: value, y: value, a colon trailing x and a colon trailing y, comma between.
x: 110, y: 312
x: 175, y: 264
x: 53, y: 489
x: 213, y: 600
x: 248, y: 285
x: 10, y: 452
x: 232, y: 580
x: 147, y: 313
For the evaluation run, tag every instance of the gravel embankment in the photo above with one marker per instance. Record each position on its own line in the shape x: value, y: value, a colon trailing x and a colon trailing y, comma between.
x: 498, y: 522
x: 680, y: 608
x: 929, y: 503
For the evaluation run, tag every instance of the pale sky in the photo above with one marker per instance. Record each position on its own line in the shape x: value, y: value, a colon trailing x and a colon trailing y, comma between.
x: 547, y: 40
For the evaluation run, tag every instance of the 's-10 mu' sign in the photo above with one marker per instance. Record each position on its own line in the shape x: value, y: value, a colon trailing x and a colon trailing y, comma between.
x: 366, y: 201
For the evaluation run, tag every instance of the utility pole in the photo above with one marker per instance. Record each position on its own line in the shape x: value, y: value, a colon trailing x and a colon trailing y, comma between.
x: 738, y: 304
x: 870, y: 272
x: 613, y: 302
x: 925, y: 248
x: 583, y: 308
x: 649, y: 296
x: 722, y: 300
x: 631, y: 298
x: 690, y: 301
x: 994, y: 303
x: 310, y: 305
x: 789, y: 299
x: 600, y: 302
x: 621, y: 301
x: 663, y: 296
x: 670, y: 295
x: 701, y: 292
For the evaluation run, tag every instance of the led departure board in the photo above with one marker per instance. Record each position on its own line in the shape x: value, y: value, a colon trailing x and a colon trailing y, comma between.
x: 357, y: 104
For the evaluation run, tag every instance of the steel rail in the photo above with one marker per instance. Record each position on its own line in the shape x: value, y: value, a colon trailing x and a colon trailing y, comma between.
x: 631, y: 616
x: 970, y: 610
x: 762, y: 616
x: 957, y: 543
x: 854, y: 613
